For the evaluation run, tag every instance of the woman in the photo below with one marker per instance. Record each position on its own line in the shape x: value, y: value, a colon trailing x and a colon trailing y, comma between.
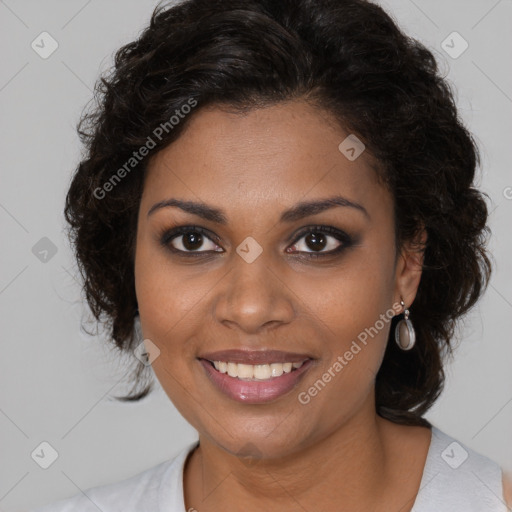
x: 279, y: 195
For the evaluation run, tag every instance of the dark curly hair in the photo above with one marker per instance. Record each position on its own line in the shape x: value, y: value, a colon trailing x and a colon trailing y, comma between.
x: 350, y: 60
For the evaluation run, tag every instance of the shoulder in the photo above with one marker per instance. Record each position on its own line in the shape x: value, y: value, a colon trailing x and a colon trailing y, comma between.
x: 457, y: 477
x: 142, y: 492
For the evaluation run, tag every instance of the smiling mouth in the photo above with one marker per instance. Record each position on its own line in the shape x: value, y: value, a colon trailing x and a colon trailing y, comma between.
x: 255, y: 372
x: 258, y: 383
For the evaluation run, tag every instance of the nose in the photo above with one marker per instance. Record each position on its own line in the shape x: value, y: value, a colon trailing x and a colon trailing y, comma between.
x: 253, y: 297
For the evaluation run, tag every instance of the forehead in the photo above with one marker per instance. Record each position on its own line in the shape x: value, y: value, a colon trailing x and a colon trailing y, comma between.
x: 271, y: 156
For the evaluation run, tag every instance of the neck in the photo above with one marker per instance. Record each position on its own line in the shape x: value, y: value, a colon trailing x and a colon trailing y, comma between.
x: 348, y: 466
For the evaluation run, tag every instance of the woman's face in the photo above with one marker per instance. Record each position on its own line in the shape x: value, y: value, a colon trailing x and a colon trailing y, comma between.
x: 258, y: 282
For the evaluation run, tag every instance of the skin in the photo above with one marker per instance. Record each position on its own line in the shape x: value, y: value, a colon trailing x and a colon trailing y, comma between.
x: 507, y: 488
x: 335, y: 449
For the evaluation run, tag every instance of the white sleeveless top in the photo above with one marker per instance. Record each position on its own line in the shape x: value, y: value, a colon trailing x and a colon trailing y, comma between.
x: 455, y: 479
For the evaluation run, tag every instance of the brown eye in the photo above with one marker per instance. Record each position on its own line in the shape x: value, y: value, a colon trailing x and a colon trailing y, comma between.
x: 318, y: 240
x: 321, y: 241
x: 192, y: 241
x: 189, y: 239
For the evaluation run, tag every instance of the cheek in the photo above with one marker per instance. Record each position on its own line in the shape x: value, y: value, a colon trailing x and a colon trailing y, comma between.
x: 352, y: 310
x: 352, y: 298
x: 352, y: 313
x: 168, y: 296
x: 168, y: 305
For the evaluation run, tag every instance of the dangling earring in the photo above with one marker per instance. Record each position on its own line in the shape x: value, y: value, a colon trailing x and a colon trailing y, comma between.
x: 405, y: 336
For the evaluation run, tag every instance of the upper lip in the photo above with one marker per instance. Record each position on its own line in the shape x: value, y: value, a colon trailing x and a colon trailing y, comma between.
x: 255, y: 356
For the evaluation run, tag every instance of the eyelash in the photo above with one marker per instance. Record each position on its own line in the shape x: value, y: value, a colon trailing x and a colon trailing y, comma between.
x: 167, y: 236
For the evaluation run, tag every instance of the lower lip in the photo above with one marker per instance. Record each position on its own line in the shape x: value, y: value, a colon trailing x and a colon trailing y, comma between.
x: 253, y: 391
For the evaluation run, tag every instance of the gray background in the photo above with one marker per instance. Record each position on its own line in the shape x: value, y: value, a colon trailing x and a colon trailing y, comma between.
x: 56, y: 381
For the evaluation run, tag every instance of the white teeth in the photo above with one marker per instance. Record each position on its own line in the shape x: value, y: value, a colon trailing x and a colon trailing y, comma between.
x: 262, y: 371
x: 245, y: 371
x: 232, y: 369
x: 256, y: 371
x: 276, y: 369
x: 287, y: 367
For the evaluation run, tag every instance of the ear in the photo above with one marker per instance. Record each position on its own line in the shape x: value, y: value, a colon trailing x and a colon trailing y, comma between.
x: 409, y: 267
x: 507, y: 489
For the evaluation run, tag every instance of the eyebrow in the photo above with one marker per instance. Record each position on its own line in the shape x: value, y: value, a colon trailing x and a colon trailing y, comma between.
x: 297, y: 212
